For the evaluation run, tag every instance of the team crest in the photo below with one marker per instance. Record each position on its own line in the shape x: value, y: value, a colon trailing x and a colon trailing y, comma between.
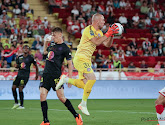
x: 50, y: 56
x: 91, y: 33
x: 88, y: 69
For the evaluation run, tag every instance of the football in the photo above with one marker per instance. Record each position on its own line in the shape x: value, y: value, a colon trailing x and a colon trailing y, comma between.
x: 121, y: 29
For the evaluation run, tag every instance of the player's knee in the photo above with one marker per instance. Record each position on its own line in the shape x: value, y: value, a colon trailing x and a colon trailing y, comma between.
x: 62, y: 98
x: 42, y: 96
x: 13, y: 88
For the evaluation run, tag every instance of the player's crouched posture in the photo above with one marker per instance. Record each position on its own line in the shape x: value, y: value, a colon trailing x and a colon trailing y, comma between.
x: 160, y: 105
x: 92, y: 36
x: 23, y: 62
x: 52, y: 72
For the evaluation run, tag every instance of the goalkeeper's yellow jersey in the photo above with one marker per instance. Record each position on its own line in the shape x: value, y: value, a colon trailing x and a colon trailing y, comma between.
x: 86, y: 48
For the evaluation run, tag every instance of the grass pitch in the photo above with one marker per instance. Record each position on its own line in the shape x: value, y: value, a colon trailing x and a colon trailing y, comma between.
x: 103, y: 112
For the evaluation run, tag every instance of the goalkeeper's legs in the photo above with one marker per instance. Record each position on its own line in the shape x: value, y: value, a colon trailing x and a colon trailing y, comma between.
x: 160, y: 105
x: 67, y: 103
x: 44, y: 106
x: 90, y: 80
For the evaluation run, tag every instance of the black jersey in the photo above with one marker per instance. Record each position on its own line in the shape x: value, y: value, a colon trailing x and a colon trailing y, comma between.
x: 55, y: 58
x: 24, y: 64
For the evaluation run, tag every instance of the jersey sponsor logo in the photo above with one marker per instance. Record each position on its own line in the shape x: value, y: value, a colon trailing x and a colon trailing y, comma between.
x: 50, y: 56
x: 91, y: 33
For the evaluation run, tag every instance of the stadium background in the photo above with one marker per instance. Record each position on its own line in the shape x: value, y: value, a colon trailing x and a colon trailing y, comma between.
x: 132, y: 69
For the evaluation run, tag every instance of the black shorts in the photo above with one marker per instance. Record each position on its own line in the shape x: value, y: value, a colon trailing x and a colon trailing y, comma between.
x: 48, y: 82
x: 20, y: 81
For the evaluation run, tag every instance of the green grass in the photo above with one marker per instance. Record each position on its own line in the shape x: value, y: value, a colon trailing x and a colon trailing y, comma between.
x: 103, y: 112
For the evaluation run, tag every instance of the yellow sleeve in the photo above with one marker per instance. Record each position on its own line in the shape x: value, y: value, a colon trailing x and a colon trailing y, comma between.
x: 88, y: 32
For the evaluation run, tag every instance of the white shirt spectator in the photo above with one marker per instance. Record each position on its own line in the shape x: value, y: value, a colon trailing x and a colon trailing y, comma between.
x: 12, y: 23
x: 23, y: 31
x: 122, y: 3
x: 25, y: 6
x: 75, y: 12
x: 146, y: 44
x: 65, y: 2
x: 16, y: 11
x: 135, y: 18
x: 110, y: 2
x: 123, y: 20
x: 75, y: 28
x: 161, y: 39
x: 148, y: 21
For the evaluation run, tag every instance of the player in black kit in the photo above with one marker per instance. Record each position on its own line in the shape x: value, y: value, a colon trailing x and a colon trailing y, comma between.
x: 55, y: 56
x: 23, y: 62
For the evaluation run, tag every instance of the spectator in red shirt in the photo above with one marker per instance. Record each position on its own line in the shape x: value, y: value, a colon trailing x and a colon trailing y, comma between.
x: 140, y: 52
x: 58, y: 3
x: 38, y: 20
x: 38, y: 55
x: 101, y: 8
x: 22, y: 21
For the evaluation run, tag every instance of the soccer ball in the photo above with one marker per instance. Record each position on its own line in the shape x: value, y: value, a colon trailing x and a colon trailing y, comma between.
x: 121, y: 29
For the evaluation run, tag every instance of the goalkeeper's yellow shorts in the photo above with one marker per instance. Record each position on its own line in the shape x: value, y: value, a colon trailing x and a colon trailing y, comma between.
x: 83, y: 65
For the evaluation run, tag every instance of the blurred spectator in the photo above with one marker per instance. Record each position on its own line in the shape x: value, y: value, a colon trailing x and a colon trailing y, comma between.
x: 8, y: 31
x: 123, y: 19
x: 38, y: 20
x: 13, y: 37
x: 65, y: 3
x: 158, y: 15
x: 117, y: 63
x: 93, y: 11
x: 114, y: 48
x: 141, y: 24
x: 38, y: 55
x: 133, y: 44
x: 162, y: 30
x: 148, y: 21
x: 128, y: 5
x: 12, y: 22
x: 128, y: 51
x: 94, y: 65
x: 120, y: 49
x: 99, y: 57
x: 88, y: 6
x: 5, y: 65
x: 29, y: 22
x: 116, y: 4
x: 155, y: 52
x: 111, y: 18
x: 111, y: 56
x: 23, y: 31
x: 143, y: 65
x: 135, y: 19
x: 36, y: 43
x: 30, y: 32
x: 105, y: 28
x: 16, y: 30
x: 16, y: 11
x: 46, y: 22
x: 101, y: 8
x: 41, y: 30
x: 110, y: 3
x: 83, y: 25
x: 140, y: 52
x: 69, y: 24
x: 161, y: 39
x: 146, y: 44
x: 144, y: 8
x: 132, y: 67
x: 122, y: 4
x: 2, y: 31
x: 157, y: 67
x: 26, y: 6
x: 133, y: 51
x: 41, y: 47
x: 22, y: 21
x: 120, y: 56
x: 75, y: 27
x: 163, y: 65
x: 151, y: 13
x: 138, y: 4
x: 160, y: 51
x: 154, y: 44
x: 4, y: 14
x: 75, y: 11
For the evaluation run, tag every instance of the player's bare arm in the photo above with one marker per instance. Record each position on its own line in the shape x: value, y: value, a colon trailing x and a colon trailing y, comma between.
x: 45, y: 47
x: 108, y: 42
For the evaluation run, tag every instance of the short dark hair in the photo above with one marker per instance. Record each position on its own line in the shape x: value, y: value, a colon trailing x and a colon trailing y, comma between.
x: 57, y: 29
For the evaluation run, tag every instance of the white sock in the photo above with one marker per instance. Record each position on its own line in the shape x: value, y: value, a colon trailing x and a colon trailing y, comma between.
x: 84, y: 103
x: 161, y: 117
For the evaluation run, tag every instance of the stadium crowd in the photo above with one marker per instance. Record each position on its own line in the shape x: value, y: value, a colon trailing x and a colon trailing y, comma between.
x: 17, y: 27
